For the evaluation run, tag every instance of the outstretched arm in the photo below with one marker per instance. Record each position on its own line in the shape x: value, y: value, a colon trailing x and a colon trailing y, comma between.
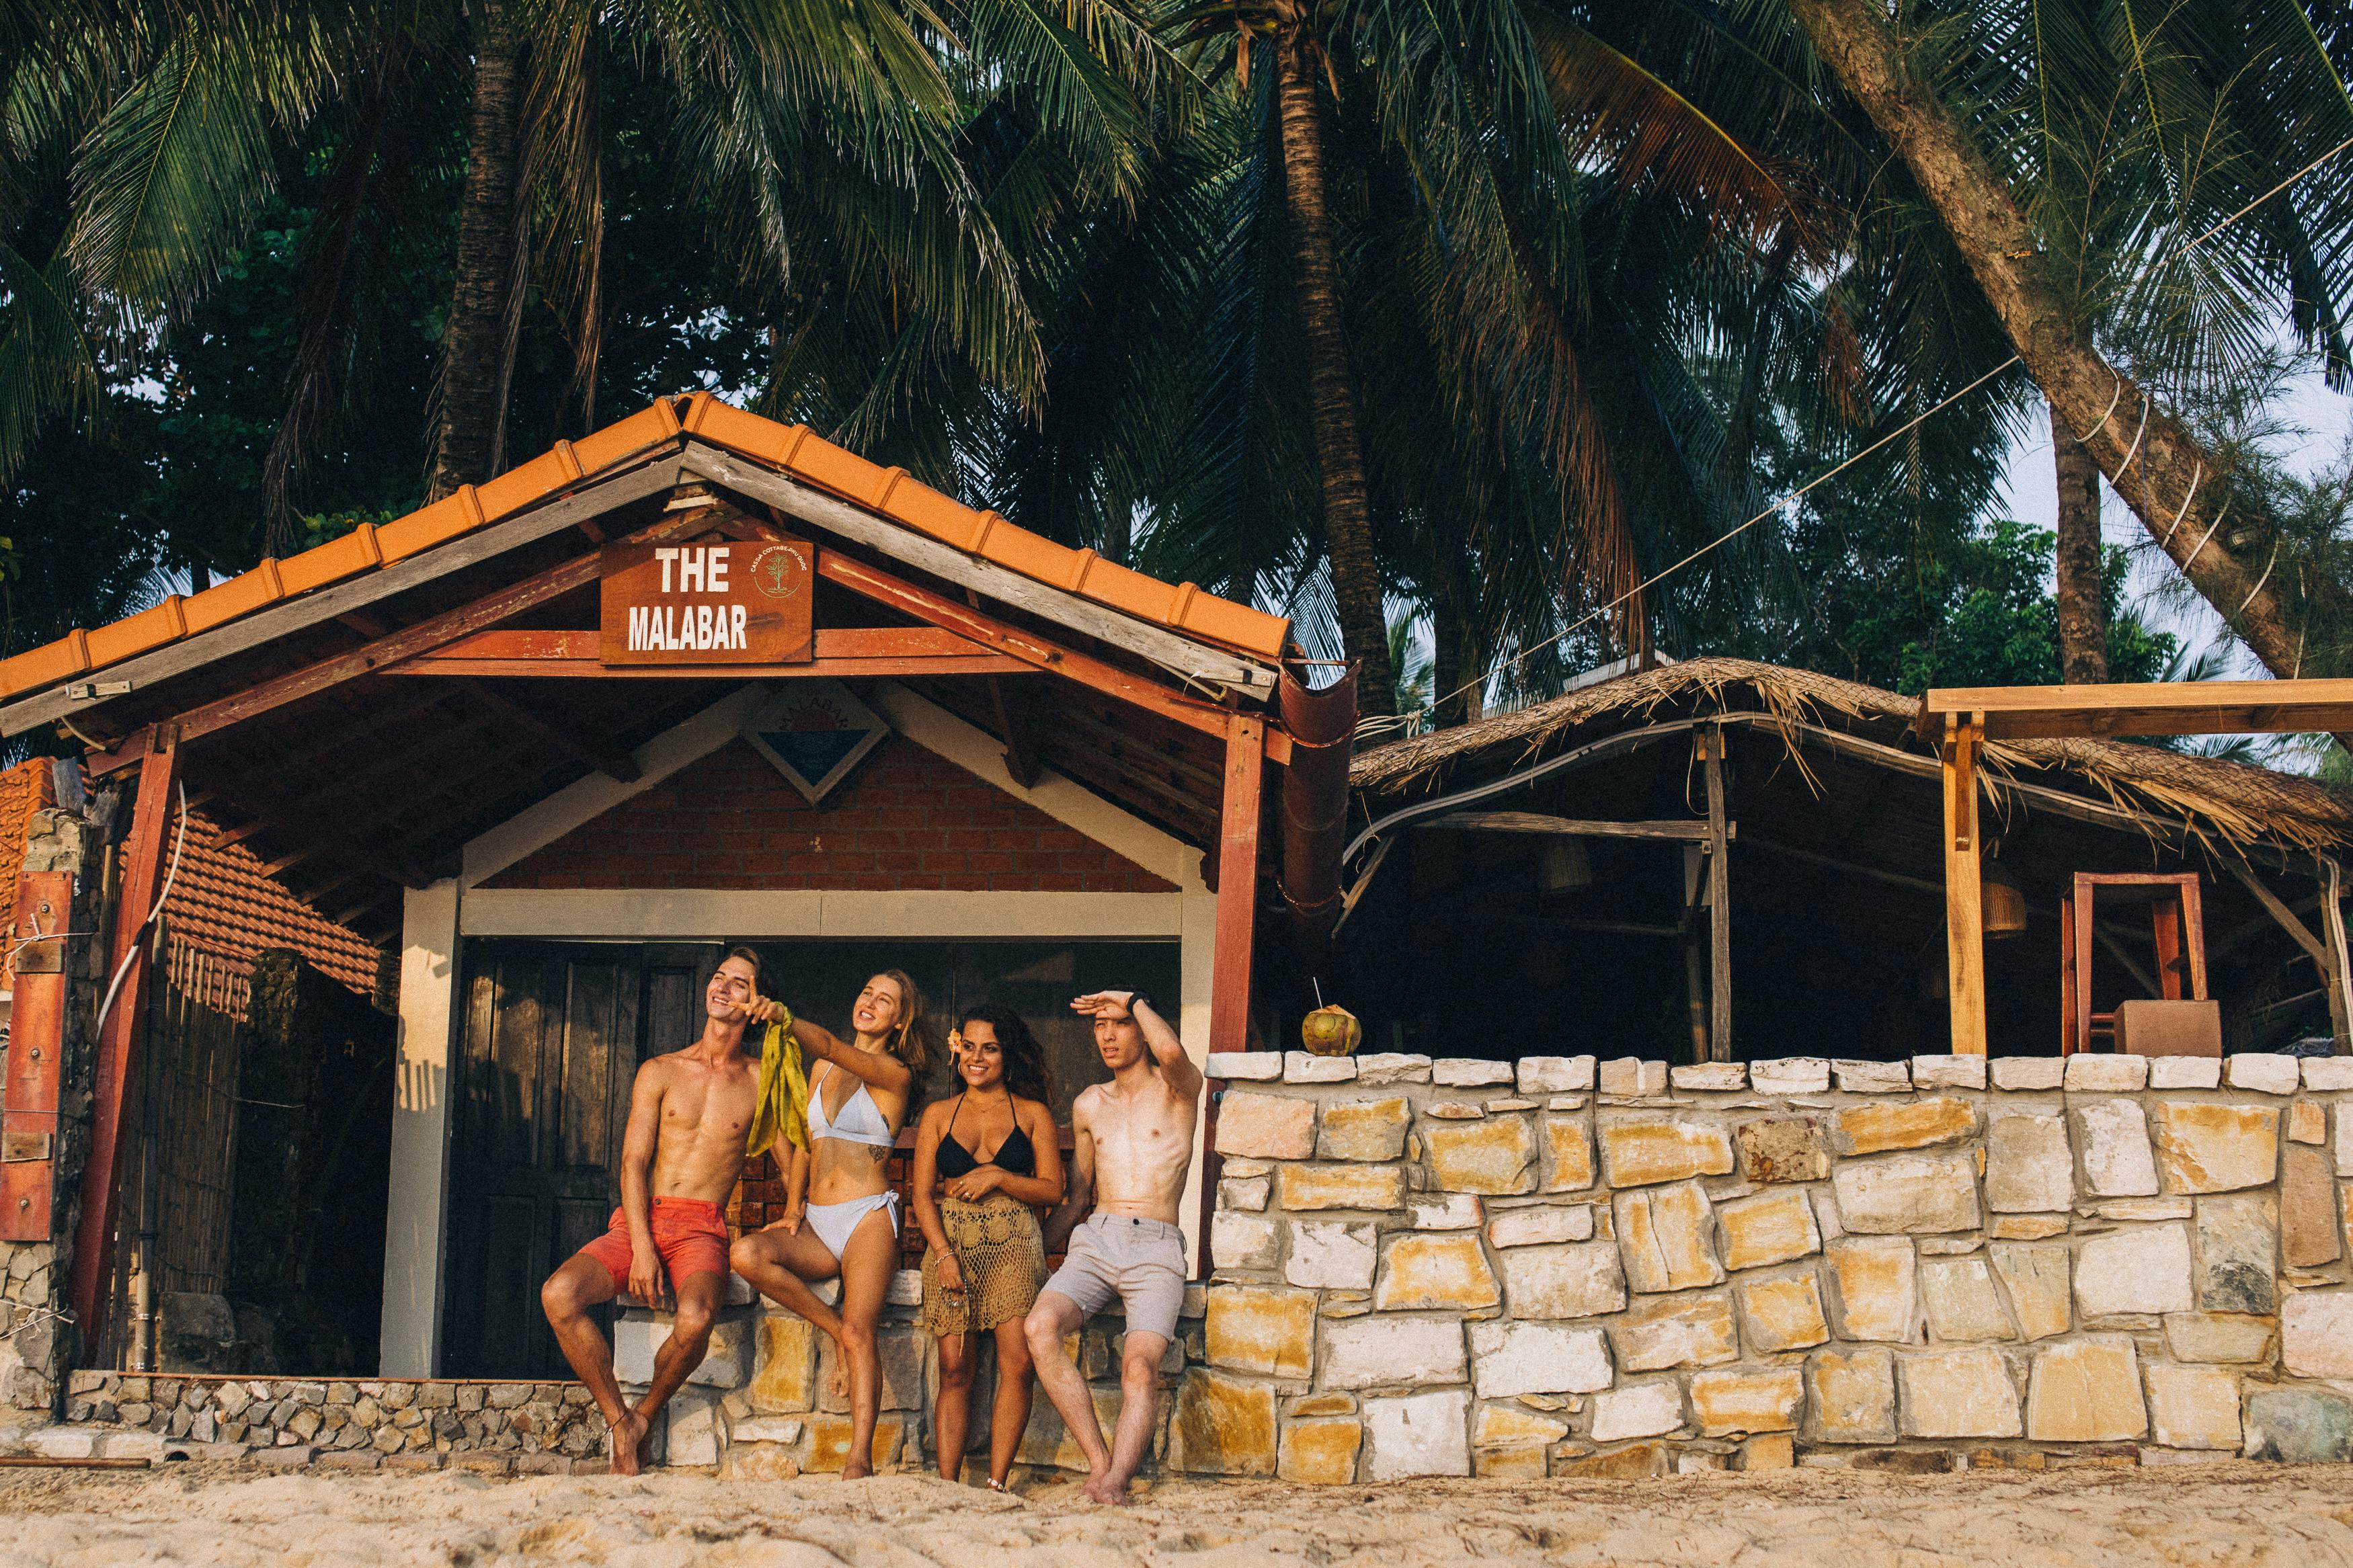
x: 879, y: 1068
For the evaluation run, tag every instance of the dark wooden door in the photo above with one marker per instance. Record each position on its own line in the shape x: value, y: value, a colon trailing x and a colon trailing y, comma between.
x: 552, y: 1040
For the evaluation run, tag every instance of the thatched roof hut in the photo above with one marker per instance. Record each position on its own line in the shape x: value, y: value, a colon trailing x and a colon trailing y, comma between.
x: 1835, y: 869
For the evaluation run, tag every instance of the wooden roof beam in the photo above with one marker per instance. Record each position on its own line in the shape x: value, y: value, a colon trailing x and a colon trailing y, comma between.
x: 614, y: 764
x: 1168, y: 649
x: 999, y: 636
x: 426, y: 635
x: 330, y: 843
x: 842, y: 653
x: 650, y: 478
x: 2156, y: 708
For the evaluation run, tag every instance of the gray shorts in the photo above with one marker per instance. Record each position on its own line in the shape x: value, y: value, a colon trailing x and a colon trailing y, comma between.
x: 1139, y: 1262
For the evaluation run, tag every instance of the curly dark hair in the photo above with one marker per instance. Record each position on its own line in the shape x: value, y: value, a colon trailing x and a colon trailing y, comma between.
x: 1025, y: 1059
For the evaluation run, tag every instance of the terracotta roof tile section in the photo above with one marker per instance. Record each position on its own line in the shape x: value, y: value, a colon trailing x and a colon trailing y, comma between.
x: 789, y: 448
x: 222, y: 901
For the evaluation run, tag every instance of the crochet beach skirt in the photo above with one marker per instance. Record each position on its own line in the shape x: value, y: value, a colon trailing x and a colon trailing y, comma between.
x: 997, y: 1242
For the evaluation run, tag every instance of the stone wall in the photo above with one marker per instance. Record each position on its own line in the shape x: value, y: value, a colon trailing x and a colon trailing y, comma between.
x: 1460, y: 1268
x: 349, y: 1421
x: 1610, y: 1269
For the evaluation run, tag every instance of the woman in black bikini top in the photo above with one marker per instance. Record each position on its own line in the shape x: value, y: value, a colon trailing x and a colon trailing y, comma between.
x: 1015, y: 1154
x: 986, y: 1256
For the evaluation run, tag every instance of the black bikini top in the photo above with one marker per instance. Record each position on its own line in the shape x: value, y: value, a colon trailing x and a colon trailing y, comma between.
x: 1016, y: 1155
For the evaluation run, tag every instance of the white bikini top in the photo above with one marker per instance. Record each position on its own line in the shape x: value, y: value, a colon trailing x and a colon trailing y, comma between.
x: 859, y: 1120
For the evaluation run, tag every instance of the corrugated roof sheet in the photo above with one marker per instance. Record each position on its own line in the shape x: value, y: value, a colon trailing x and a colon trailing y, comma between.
x: 792, y: 450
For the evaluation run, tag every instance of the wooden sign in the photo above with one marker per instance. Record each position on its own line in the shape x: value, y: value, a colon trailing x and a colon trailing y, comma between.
x: 716, y: 601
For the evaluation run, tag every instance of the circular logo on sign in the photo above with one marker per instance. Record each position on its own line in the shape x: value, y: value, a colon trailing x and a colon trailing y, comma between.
x: 775, y: 571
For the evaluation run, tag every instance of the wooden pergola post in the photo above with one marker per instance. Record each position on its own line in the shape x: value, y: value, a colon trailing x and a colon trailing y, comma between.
x: 118, y: 1041
x: 1719, y: 904
x: 1229, y: 981
x: 1964, y: 908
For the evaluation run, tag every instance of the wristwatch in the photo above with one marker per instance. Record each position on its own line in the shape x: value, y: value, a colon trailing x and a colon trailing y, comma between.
x: 1135, y: 997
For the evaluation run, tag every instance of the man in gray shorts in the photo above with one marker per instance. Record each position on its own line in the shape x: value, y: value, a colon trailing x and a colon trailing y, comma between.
x: 1134, y: 1140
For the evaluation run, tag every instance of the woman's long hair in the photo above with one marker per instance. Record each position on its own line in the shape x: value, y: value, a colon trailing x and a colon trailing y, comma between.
x: 911, y: 1041
x: 1025, y: 1059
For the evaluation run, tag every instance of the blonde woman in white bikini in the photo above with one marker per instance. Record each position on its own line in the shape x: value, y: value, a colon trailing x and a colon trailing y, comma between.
x: 841, y: 1217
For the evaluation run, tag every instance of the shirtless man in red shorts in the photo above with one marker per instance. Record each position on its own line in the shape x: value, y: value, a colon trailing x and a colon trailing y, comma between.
x: 680, y: 1157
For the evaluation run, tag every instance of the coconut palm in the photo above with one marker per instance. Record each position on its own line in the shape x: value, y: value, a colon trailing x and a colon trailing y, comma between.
x: 814, y: 134
x: 2193, y: 114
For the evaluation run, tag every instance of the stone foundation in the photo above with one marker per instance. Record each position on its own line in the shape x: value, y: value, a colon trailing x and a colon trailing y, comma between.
x: 1572, y: 1268
x: 1601, y: 1269
x: 368, y: 1420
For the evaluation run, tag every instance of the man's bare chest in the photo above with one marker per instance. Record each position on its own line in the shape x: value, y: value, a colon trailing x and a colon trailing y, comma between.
x: 708, y: 1102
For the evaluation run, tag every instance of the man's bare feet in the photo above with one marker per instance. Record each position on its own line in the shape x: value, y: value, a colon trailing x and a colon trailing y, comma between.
x: 628, y: 1439
x: 856, y: 1470
x: 1099, y: 1488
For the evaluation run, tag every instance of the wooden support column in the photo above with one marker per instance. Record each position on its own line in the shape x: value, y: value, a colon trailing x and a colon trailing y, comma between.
x: 1964, y: 909
x: 151, y: 825
x: 2327, y: 955
x: 2338, y: 971
x: 1229, y: 985
x: 1719, y: 902
x: 1694, y: 968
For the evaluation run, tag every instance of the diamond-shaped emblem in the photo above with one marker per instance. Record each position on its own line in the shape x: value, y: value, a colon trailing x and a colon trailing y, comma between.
x: 815, y: 734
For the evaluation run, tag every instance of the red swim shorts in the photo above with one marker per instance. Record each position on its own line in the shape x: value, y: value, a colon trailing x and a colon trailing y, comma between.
x: 689, y: 1234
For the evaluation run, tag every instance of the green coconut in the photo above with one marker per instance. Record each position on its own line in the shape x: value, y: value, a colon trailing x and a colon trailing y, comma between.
x: 1330, y: 1032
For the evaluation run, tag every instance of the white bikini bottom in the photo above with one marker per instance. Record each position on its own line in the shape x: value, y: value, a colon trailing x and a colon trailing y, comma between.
x: 833, y: 1223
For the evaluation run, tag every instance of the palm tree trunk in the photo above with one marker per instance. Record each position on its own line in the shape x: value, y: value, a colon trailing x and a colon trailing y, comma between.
x: 1455, y: 660
x: 2171, y: 482
x: 474, y: 345
x: 1339, y: 450
x: 2083, y: 600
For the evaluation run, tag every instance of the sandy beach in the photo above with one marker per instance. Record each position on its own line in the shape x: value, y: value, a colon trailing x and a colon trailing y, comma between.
x: 2244, y: 1515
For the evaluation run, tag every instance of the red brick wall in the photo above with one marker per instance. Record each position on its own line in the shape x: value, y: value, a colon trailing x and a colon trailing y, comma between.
x: 905, y: 819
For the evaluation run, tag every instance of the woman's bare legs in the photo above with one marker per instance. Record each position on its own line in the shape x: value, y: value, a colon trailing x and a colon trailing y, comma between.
x: 952, y: 1412
x: 781, y: 1266
x: 867, y: 1264
x: 1010, y: 1417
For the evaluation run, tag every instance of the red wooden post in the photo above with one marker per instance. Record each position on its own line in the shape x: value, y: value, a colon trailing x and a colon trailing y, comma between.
x: 118, y: 1041
x: 1230, y: 980
x: 37, y: 1040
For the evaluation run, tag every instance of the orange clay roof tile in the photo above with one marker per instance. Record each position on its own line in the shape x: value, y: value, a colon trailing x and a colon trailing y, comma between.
x: 353, y: 554
x: 793, y: 449
x: 219, y: 899
x: 221, y: 902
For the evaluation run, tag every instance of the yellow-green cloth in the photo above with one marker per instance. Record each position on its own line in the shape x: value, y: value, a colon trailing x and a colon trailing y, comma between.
x: 781, y: 1108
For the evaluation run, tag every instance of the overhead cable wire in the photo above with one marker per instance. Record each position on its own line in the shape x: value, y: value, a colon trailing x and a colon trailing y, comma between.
x: 1383, y: 723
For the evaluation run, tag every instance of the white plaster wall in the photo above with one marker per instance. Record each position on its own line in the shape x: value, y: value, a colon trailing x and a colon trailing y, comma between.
x: 419, y: 1199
